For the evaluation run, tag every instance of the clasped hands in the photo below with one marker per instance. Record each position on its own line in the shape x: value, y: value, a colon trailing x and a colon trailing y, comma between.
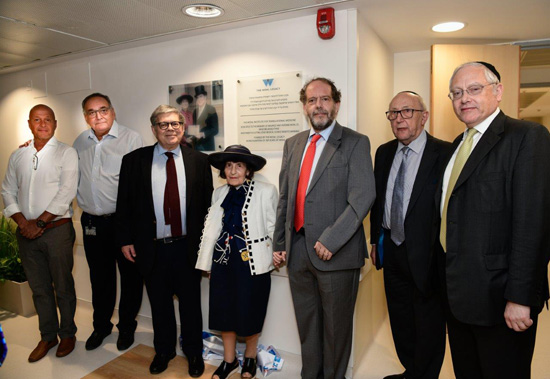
x: 30, y: 230
x: 322, y: 252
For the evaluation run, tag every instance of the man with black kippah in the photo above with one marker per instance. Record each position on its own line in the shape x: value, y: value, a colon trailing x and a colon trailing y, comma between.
x: 495, y: 230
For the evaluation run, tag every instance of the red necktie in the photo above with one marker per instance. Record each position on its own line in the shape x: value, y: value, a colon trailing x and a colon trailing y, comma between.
x: 172, y: 210
x: 303, y: 182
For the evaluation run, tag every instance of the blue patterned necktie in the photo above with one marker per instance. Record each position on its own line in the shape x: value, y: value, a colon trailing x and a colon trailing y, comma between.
x: 397, y: 223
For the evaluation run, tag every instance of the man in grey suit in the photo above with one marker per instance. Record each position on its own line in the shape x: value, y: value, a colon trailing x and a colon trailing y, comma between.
x: 495, y: 231
x: 326, y: 188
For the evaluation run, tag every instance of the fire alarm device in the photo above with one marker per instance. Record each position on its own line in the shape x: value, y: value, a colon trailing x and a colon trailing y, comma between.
x: 325, y: 23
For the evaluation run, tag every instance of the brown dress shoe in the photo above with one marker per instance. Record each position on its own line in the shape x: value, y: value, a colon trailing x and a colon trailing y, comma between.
x: 65, y: 346
x: 41, y: 350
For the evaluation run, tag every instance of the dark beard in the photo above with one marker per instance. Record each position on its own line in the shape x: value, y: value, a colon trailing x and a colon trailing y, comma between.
x: 321, y: 127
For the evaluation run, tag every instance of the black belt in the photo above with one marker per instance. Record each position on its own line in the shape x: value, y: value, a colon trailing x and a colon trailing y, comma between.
x: 169, y: 239
x: 108, y: 215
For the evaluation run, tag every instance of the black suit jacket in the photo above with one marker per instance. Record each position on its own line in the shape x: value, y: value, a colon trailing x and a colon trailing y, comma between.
x: 421, y: 219
x: 208, y: 122
x: 498, y: 226
x: 135, y: 215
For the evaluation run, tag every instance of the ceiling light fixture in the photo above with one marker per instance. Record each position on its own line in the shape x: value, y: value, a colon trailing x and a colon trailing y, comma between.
x: 202, y: 10
x: 447, y: 27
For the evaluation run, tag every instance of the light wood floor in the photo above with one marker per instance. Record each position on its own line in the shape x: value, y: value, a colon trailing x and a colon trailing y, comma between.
x: 22, y: 336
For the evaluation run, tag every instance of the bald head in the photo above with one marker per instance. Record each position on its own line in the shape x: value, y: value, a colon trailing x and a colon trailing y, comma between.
x: 42, y: 124
x: 44, y: 108
x: 408, y: 115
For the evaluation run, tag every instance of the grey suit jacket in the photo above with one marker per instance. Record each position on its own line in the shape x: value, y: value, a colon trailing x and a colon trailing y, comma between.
x: 339, y: 197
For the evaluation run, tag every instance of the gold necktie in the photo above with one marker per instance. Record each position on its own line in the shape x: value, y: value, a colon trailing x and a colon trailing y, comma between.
x: 461, y: 158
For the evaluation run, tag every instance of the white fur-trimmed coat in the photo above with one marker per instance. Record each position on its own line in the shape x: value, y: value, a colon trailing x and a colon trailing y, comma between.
x: 258, y: 219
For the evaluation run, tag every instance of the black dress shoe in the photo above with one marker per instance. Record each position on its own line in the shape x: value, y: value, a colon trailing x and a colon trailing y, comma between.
x: 395, y: 376
x: 160, y: 362
x: 95, y: 340
x: 196, y: 366
x: 125, y: 340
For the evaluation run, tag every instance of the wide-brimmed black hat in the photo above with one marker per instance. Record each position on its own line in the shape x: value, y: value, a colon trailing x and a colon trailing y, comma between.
x: 184, y: 96
x: 200, y: 90
x: 236, y: 153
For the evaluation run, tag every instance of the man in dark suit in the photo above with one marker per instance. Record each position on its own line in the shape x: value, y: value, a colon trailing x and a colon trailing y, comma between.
x: 326, y: 190
x: 495, y: 230
x: 163, y: 197
x: 404, y: 225
x: 206, y: 117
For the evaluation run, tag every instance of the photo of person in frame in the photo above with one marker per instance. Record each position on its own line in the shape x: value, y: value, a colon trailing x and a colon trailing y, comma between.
x: 201, y: 105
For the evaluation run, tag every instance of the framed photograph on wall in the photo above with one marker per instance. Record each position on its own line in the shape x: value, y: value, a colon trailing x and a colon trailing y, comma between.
x: 201, y: 105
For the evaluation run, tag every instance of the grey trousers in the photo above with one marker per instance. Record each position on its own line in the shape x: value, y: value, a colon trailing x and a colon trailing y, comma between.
x: 48, y: 264
x: 324, y: 302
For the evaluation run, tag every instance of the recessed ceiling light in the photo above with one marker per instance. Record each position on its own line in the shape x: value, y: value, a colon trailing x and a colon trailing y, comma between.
x: 447, y: 27
x: 202, y: 10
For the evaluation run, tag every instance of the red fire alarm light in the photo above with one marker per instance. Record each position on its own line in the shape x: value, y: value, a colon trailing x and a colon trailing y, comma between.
x: 325, y: 23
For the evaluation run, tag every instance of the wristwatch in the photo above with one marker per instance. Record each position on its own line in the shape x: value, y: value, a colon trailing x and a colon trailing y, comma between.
x: 41, y: 224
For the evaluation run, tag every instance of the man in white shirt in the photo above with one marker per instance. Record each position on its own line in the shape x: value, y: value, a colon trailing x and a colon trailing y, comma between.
x: 100, y: 150
x: 38, y: 189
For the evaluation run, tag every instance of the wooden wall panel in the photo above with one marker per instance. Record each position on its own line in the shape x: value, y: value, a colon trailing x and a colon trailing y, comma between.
x: 445, y: 58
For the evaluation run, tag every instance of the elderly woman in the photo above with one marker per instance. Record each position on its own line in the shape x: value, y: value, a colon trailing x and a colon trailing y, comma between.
x: 237, y: 250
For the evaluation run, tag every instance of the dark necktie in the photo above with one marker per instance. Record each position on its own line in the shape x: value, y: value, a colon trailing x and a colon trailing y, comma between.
x: 172, y: 210
x: 303, y: 181
x: 397, y: 223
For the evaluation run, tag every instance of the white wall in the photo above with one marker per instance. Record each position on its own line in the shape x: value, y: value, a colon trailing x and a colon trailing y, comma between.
x: 137, y: 80
x: 374, y: 87
x: 412, y: 73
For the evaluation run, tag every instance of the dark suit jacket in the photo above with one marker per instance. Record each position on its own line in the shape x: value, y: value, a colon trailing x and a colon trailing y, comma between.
x: 498, y: 225
x: 339, y: 197
x: 208, y: 122
x: 421, y: 218
x: 135, y: 214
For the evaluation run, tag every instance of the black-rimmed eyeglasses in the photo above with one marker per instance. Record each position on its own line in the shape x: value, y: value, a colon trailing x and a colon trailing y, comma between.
x: 405, y: 113
x: 173, y: 124
x: 457, y: 93
x: 34, y: 161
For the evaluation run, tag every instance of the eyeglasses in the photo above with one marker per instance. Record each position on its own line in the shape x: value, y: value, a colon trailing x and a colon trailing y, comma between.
x: 324, y: 100
x: 405, y: 113
x: 173, y: 124
x: 457, y: 93
x: 102, y: 111
x: 34, y: 161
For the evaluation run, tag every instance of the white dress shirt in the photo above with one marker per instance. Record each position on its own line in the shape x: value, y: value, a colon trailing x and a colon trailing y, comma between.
x: 99, y: 164
x: 481, y: 128
x: 319, y: 147
x: 41, y: 181
x: 158, y: 184
x: 416, y: 150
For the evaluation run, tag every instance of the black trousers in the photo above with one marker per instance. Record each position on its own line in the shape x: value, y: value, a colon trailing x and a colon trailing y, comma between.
x: 172, y: 274
x: 487, y: 352
x: 103, y: 253
x: 417, y: 320
x: 491, y: 352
